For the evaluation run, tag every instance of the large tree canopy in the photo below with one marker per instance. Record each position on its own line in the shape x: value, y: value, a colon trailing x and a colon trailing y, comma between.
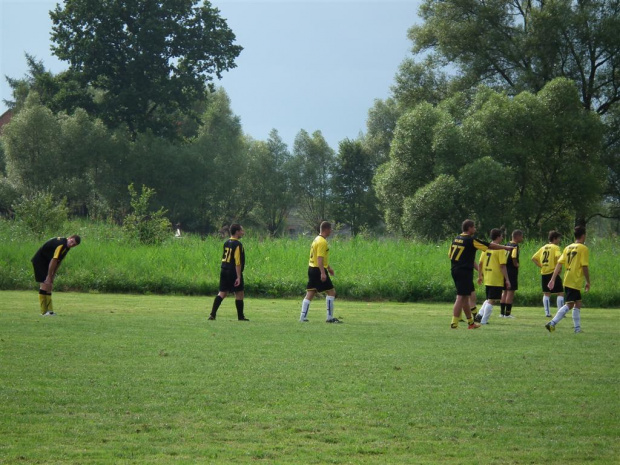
x: 151, y: 60
x: 523, y: 44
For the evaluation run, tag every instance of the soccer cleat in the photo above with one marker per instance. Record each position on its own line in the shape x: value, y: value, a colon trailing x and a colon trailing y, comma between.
x: 578, y: 330
x: 305, y: 320
x: 478, y: 318
x: 473, y: 326
x: 211, y: 317
x: 550, y: 327
x: 549, y: 315
x: 509, y: 316
x: 50, y: 313
x: 244, y: 319
x: 333, y: 320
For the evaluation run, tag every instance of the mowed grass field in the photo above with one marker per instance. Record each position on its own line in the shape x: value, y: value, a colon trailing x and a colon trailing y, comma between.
x: 147, y: 379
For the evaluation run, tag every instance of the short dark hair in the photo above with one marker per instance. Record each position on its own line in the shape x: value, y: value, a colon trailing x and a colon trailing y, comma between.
x: 234, y: 228
x: 467, y: 224
x: 579, y: 231
x: 553, y: 235
x: 325, y: 225
x: 495, y: 233
x: 77, y: 238
x: 517, y: 233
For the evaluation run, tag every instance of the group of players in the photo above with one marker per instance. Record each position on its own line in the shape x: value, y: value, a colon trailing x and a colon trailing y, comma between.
x: 498, y: 268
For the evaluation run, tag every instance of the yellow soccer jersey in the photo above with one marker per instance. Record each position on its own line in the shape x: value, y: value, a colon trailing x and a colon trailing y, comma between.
x: 318, y: 249
x: 491, y: 262
x: 574, y: 257
x: 547, y: 256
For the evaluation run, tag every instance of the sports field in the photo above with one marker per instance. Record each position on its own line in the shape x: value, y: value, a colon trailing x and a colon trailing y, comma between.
x: 147, y: 379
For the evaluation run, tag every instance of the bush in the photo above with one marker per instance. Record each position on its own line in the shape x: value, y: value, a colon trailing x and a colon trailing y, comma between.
x: 145, y: 227
x: 40, y: 213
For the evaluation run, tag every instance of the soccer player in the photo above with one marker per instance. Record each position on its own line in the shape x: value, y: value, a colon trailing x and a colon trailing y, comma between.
x: 462, y: 256
x: 546, y: 258
x: 45, y: 263
x: 576, y: 257
x: 231, y: 273
x: 512, y: 266
x: 319, y: 273
x: 493, y: 271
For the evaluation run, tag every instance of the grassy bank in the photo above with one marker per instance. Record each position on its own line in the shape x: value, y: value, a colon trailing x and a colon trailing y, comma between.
x: 366, y: 269
x: 146, y: 379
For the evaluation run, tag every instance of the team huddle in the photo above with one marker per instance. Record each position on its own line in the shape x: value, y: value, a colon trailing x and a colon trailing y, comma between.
x: 498, y: 269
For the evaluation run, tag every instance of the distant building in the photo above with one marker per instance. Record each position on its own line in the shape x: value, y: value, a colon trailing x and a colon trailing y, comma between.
x: 5, y: 119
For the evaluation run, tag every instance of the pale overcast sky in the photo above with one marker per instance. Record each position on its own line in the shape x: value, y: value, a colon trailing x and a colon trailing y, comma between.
x: 313, y: 65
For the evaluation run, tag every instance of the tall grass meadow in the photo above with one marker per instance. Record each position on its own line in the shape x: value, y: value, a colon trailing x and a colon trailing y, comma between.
x: 365, y: 269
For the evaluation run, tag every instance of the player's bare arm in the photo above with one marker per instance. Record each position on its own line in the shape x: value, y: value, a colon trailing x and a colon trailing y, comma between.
x: 586, y: 274
x: 322, y: 268
x: 505, y: 273
x: 556, y: 272
x: 537, y: 263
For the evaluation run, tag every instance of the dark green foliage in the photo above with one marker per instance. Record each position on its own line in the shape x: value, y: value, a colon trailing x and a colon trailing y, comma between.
x: 151, y: 61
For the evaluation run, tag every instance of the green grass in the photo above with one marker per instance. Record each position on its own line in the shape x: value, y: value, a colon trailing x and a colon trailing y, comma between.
x: 146, y: 379
x: 366, y: 269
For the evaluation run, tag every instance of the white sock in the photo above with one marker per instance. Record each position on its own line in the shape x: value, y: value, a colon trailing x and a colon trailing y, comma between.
x: 329, y: 301
x: 305, y: 306
x: 487, y: 313
x: 483, y: 308
x: 560, y: 301
x: 577, y: 318
x: 547, y: 304
x: 558, y: 316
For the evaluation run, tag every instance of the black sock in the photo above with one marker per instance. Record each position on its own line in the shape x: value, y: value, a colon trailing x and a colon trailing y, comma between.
x: 503, y: 311
x: 508, y: 309
x: 216, y: 304
x: 239, y: 305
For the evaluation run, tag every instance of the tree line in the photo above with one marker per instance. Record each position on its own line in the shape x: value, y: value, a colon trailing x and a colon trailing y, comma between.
x: 506, y: 112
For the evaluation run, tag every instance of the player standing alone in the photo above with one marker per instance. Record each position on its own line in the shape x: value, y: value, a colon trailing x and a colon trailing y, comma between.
x: 231, y: 274
x: 576, y: 257
x: 318, y: 275
x: 463, y: 256
x: 46, y: 262
x: 546, y: 258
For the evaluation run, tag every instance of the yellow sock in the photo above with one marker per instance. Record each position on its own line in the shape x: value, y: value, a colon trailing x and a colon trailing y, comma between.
x: 474, y: 311
x: 43, y: 303
x: 455, y: 321
x: 470, y: 321
x: 48, y: 302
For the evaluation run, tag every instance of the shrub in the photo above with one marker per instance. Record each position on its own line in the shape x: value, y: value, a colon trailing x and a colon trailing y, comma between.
x: 41, y: 213
x: 142, y: 225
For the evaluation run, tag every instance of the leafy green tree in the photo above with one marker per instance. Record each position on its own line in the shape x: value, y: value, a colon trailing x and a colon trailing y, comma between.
x: 433, y: 211
x: 150, y: 60
x: 380, y: 126
x: 522, y: 46
x: 518, y: 158
x: 354, y: 199
x: 61, y: 92
x: 270, y: 179
x: 313, y: 162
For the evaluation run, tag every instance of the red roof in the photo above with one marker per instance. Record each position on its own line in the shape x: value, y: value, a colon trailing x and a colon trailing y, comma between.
x: 5, y: 118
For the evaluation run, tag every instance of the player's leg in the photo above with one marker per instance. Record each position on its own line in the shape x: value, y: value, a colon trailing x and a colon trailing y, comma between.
x: 329, y: 303
x: 577, y: 316
x: 305, y: 304
x: 547, y: 304
x: 216, y: 304
x: 488, y: 310
x: 239, y: 305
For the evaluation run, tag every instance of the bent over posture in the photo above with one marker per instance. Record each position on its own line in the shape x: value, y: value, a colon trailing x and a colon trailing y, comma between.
x: 46, y: 262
